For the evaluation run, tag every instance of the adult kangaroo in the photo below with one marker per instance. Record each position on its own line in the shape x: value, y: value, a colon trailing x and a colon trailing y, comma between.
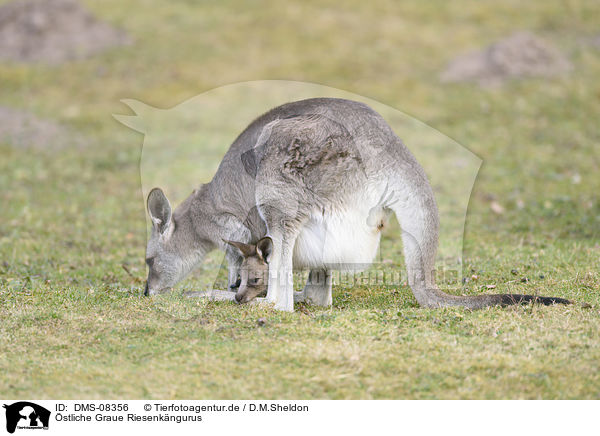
x: 319, y: 177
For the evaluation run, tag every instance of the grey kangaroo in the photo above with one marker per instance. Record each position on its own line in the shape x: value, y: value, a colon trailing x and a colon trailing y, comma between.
x: 319, y: 178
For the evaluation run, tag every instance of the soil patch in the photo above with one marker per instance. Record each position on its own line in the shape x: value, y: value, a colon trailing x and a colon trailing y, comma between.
x: 22, y: 129
x: 53, y: 31
x: 519, y: 55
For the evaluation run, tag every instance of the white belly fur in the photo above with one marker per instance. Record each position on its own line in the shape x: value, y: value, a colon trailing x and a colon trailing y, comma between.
x: 340, y: 240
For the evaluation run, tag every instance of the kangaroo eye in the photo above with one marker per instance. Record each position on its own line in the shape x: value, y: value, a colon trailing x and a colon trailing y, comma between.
x: 255, y: 281
x: 150, y: 261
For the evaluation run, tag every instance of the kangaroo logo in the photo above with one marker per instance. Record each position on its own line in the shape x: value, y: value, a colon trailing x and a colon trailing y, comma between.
x: 26, y: 415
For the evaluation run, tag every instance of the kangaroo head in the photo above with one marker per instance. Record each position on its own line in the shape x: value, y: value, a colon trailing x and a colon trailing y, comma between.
x: 254, y: 272
x: 167, y: 255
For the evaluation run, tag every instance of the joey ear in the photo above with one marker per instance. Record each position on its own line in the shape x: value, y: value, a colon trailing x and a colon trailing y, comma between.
x: 264, y: 248
x: 246, y: 249
x: 159, y: 209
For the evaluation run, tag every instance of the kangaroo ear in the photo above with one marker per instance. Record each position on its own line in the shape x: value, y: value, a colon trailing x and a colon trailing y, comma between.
x: 264, y: 248
x: 246, y: 249
x: 159, y: 209
x: 249, y: 163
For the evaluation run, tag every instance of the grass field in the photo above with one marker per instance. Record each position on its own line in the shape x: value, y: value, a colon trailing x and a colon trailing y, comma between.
x: 73, y: 323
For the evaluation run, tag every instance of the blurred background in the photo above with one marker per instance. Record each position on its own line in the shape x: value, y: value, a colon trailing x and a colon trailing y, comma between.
x: 514, y: 82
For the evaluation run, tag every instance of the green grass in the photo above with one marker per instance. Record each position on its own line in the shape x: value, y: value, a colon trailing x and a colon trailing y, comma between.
x: 74, y: 325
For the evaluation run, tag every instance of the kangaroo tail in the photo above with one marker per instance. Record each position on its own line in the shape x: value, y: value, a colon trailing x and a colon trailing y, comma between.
x: 418, y: 216
x: 436, y: 298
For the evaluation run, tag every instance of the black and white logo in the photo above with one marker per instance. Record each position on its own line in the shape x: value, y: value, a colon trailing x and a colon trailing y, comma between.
x: 26, y: 415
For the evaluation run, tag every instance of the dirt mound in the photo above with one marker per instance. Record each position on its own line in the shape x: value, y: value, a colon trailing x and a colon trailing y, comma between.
x: 595, y: 41
x: 24, y: 130
x: 520, y: 55
x: 53, y: 31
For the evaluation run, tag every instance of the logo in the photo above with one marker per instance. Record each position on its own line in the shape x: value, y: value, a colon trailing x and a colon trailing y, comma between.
x: 26, y: 415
